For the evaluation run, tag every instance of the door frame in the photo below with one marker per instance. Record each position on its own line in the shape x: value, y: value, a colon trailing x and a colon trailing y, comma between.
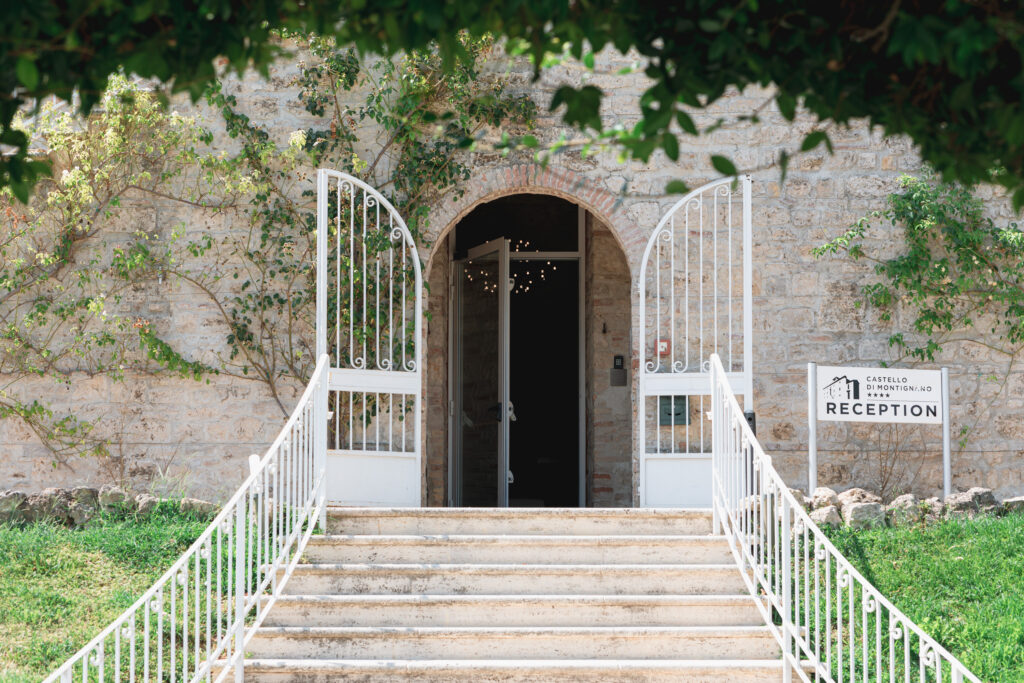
x: 454, y: 357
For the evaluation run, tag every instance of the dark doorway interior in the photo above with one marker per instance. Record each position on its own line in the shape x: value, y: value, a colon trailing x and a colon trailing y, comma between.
x: 544, y: 440
x: 544, y: 353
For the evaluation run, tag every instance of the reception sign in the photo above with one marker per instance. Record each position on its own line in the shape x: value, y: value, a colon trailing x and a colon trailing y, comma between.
x: 848, y: 394
x: 887, y: 395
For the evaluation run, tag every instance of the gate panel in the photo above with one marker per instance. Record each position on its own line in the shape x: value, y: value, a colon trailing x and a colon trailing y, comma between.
x: 695, y: 300
x: 369, y: 317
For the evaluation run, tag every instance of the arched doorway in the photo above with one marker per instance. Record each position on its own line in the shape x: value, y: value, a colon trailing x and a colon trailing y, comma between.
x: 538, y: 415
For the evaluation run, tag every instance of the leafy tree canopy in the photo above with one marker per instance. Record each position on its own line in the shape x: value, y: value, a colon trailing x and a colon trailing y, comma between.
x: 948, y: 74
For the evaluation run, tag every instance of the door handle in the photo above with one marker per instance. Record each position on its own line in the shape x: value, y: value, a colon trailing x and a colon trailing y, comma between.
x: 496, y: 411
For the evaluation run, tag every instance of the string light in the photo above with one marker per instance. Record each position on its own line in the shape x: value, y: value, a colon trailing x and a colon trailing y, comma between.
x: 519, y: 285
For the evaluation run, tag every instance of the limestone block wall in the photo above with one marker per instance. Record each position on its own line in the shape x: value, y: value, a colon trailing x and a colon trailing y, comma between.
x: 197, y: 436
x: 608, y: 327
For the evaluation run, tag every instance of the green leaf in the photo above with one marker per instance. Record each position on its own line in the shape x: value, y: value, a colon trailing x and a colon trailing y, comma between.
x: 686, y: 123
x: 787, y: 105
x: 27, y: 73
x: 588, y: 60
x: 723, y: 165
x: 671, y: 145
x: 676, y: 187
x: 813, y: 140
x: 528, y: 141
x: 1018, y: 199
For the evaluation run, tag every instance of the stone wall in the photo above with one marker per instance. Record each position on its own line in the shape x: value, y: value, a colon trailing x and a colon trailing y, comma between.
x: 608, y: 333
x: 435, y: 465
x: 803, y: 306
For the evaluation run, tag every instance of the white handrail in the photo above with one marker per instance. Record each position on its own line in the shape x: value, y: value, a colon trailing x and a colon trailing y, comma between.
x: 831, y: 623
x: 194, y: 623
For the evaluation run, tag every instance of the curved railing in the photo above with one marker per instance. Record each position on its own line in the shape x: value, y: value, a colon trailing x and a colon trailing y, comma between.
x: 832, y: 624
x: 194, y: 622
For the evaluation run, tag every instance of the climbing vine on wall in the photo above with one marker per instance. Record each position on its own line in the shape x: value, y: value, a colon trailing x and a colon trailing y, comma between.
x: 78, y: 266
x: 73, y: 260
x: 401, y: 125
x: 956, y: 276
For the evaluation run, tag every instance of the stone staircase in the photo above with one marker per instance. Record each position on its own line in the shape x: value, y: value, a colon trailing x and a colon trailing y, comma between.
x: 515, y: 595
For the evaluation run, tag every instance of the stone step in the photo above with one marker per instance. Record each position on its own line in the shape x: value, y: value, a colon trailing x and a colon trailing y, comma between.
x: 526, y: 549
x: 525, y: 642
x: 519, y: 521
x: 514, y: 610
x: 513, y: 671
x: 514, y: 579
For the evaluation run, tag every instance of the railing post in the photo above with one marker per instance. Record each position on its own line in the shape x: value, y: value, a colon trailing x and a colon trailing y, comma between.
x: 716, y: 448
x: 240, y: 591
x: 320, y: 444
x: 787, y: 590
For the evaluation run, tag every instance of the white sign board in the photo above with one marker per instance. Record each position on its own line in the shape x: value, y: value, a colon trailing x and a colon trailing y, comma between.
x: 879, y: 395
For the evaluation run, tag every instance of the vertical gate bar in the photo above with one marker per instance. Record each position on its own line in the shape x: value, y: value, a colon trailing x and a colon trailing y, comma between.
x: 748, y: 297
x: 714, y: 261
x: 657, y: 336
x: 391, y: 289
x: 363, y: 287
x: 351, y: 273
x: 732, y: 302
x: 700, y: 282
x: 686, y: 291
x: 672, y: 296
x: 337, y: 270
x: 321, y: 262
x: 376, y: 292
x: 405, y: 305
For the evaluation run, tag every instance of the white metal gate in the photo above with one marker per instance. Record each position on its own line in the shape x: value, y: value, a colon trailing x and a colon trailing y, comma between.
x: 369, y: 318
x: 695, y: 300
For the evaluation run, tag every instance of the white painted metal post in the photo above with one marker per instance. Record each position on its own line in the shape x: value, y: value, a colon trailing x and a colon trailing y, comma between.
x: 716, y: 450
x: 787, y: 587
x: 947, y: 473
x: 321, y: 262
x: 320, y: 400
x: 812, y: 428
x: 748, y: 297
x: 320, y: 426
x: 240, y: 590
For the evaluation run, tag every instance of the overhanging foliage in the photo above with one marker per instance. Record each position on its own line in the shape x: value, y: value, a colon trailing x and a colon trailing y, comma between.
x: 948, y: 74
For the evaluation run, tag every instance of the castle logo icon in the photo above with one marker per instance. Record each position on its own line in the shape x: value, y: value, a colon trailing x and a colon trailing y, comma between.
x: 842, y: 388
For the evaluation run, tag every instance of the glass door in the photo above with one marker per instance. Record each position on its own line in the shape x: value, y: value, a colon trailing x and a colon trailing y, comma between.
x: 482, y: 407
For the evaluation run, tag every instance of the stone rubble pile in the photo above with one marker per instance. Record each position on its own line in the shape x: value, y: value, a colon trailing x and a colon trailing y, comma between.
x: 861, y: 509
x: 76, y: 506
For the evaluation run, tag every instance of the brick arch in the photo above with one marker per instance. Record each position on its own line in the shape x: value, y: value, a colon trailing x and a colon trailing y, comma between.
x: 501, y: 181
x: 487, y: 185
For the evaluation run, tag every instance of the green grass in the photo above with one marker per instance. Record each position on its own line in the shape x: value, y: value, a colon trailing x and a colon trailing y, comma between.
x: 59, y: 587
x: 961, y: 581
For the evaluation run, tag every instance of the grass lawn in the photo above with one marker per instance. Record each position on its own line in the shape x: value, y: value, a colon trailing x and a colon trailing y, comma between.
x: 961, y: 581
x: 59, y: 587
